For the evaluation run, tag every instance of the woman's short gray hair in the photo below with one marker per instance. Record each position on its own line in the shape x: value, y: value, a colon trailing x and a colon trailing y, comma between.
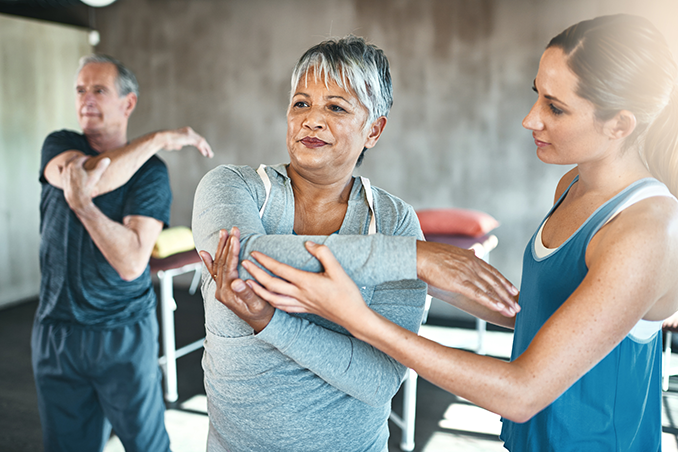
x: 125, y: 82
x: 351, y: 63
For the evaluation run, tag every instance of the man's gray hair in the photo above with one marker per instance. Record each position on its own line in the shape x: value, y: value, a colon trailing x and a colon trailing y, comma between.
x: 125, y: 82
x: 351, y: 63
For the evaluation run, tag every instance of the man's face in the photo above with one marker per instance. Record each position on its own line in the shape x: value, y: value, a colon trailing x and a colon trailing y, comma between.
x: 99, y: 107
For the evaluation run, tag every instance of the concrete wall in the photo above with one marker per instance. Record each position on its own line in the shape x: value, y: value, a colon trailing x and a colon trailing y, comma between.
x: 462, y: 73
x: 37, y: 68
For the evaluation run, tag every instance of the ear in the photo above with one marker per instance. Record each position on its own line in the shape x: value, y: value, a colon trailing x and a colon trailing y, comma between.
x: 375, y: 131
x: 130, y: 103
x: 621, y: 125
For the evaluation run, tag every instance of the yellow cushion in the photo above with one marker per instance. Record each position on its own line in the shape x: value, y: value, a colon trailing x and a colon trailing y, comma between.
x: 172, y: 241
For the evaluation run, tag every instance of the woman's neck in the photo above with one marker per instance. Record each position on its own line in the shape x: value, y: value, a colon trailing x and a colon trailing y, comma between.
x: 609, y: 177
x: 319, y: 205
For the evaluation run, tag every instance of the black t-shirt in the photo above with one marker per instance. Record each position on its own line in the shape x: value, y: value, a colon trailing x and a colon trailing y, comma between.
x: 78, y: 284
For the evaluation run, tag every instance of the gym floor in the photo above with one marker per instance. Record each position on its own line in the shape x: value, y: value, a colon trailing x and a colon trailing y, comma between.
x: 444, y: 421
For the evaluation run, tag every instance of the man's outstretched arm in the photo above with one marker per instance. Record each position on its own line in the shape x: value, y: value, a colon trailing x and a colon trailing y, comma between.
x: 125, y: 161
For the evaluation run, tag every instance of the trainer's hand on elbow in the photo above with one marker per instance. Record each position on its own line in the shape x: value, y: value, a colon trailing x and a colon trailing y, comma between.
x: 231, y: 291
x: 457, y: 270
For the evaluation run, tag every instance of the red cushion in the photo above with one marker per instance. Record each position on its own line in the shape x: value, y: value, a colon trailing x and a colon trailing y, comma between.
x: 456, y: 222
x: 174, y: 261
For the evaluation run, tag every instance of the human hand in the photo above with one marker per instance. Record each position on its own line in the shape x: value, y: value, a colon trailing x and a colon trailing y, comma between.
x: 330, y: 294
x: 80, y: 185
x: 232, y: 291
x: 671, y: 322
x: 175, y: 140
x: 457, y: 270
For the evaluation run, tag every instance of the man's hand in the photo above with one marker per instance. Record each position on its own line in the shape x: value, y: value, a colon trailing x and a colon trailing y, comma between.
x: 175, y: 140
x: 231, y: 291
x: 79, y: 184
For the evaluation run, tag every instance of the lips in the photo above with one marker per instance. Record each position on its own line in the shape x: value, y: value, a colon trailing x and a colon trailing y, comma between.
x: 89, y: 112
x: 539, y: 143
x: 312, y: 142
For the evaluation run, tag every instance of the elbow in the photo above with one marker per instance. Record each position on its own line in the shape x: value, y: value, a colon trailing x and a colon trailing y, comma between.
x: 388, y: 388
x: 131, y: 272
x: 381, y: 398
x: 525, y: 391
x: 520, y: 414
x: 129, y: 276
x: 378, y: 399
x: 380, y: 393
x: 523, y: 409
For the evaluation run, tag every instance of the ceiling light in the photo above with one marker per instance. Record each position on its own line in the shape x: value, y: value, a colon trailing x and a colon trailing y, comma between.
x: 97, y: 3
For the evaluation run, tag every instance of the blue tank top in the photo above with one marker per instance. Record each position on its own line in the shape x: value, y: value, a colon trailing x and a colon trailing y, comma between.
x: 616, y: 406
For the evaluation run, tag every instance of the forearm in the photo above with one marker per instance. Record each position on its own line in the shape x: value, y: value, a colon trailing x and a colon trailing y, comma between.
x: 122, y: 246
x: 473, y: 308
x: 368, y: 259
x: 125, y: 161
x: 499, y: 386
x: 347, y: 364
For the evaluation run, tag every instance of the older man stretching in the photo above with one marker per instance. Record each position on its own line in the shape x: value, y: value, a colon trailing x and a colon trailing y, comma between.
x: 104, y: 202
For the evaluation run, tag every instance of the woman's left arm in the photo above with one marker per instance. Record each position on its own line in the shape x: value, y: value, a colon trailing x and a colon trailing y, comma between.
x: 631, y: 276
x: 348, y: 364
x: 351, y: 365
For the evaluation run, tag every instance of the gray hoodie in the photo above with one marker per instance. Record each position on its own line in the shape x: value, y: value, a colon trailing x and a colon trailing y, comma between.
x: 304, y: 383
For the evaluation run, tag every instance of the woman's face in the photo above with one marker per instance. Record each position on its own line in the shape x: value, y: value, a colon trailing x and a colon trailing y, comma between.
x: 326, y: 129
x: 563, y: 124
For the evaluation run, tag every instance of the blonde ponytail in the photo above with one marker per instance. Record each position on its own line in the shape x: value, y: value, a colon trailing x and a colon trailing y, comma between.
x: 660, y: 149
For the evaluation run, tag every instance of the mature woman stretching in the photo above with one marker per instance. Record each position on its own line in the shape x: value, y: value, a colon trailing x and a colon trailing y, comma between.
x: 599, y: 274
x: 277, y: 382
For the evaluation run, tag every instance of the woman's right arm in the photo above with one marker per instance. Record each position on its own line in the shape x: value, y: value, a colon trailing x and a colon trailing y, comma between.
x: 232, y: 196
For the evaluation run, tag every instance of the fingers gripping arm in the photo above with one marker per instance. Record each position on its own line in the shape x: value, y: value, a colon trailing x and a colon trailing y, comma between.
x: 126, y: 246
x: 230, y: 290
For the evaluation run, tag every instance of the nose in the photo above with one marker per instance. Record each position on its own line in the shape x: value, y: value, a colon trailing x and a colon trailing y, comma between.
x: 533, y: 120
x: 87, y: 97
x: 314, y: 119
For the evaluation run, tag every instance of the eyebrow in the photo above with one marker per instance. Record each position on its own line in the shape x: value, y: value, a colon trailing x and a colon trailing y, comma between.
x: 331, y: 97
x: 548, y: 96
x: 95, y: 86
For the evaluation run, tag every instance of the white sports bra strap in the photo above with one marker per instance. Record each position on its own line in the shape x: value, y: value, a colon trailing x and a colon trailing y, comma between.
x: 366, y: 184
x: 370, y: 204
x: 267, y: 185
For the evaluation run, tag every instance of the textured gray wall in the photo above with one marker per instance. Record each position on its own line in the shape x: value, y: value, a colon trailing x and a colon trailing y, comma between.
x: 37, y: 65
x: 462, y: 72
